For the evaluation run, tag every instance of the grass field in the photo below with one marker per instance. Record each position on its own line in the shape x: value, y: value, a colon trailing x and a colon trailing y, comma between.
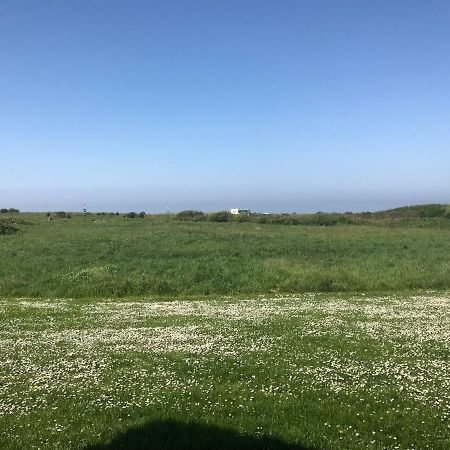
x: 113, y: 256
x: 163, y: 334
x: 293, y: 372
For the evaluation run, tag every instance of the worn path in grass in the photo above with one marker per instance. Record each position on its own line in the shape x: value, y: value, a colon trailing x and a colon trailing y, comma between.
x: 293, y: 372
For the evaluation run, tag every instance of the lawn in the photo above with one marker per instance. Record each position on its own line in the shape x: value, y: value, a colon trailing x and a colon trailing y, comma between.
x: 295, y: 372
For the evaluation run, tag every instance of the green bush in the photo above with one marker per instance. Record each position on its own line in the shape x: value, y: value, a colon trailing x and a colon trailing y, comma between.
x: 141, y: 215
x: 322, y: 219
x: 7, y: 228
x: 189, y: 214
x: 242, y: 218
x: 220, y: 216
x: 131, y: 215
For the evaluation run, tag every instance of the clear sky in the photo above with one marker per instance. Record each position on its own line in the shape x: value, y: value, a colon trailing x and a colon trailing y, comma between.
x: 268, y: 105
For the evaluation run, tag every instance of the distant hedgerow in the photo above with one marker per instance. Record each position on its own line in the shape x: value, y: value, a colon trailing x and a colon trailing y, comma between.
x: 8, y: 210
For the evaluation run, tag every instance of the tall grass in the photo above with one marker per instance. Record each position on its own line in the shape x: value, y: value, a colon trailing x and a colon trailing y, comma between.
x: 157, y: 255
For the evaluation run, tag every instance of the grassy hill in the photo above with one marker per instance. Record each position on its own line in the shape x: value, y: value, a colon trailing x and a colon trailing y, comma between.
x: 417, y: 211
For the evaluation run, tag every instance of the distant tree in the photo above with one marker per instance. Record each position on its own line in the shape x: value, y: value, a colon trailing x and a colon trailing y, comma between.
x: 9, y: 210
x: 60, y: 214
x: 131, y: 215
x: 141, y: 215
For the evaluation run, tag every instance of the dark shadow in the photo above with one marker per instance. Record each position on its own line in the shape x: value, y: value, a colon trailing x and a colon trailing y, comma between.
x: 174, y: 435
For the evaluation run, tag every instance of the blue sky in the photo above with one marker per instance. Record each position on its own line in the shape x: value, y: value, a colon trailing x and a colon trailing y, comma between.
x: 269, y: 105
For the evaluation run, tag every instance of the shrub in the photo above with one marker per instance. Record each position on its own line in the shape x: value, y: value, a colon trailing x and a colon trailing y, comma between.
x: 14, y: 221
x: 322, y: 219
x: 131, y: 215
x: 189, y: 214
x: 264, y: 219
x: 242, y: 218
x: 201, y: 218
x: 220, y: 216
x: 141, y: 215
x: 60, y: 214
x: 6, y: 228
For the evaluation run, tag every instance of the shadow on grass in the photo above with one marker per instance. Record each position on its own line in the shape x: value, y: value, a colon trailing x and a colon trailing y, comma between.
x: 174, y: 435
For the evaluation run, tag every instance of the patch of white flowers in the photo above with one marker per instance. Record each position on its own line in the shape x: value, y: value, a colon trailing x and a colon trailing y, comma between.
x: 116, y: 354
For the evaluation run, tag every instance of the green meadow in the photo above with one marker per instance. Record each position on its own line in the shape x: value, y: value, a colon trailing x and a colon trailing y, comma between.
x: 114, y: 256
x: 258, y: 333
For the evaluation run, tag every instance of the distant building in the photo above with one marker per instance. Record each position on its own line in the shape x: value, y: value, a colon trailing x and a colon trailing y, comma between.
x: 237, y: 211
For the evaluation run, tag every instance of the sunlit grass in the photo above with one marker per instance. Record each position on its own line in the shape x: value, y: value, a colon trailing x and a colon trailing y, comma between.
x: 159, y: 256
x: 319, y: 371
